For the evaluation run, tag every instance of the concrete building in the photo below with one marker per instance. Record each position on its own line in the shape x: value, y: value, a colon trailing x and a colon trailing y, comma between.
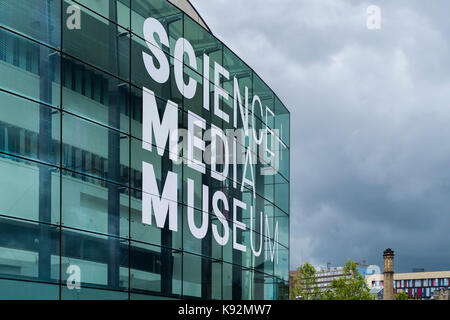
x: 324, y: 276
x: 418, y: 285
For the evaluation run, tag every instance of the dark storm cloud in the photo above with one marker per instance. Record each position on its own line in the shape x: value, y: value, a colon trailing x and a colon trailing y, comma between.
x: 372, y: 116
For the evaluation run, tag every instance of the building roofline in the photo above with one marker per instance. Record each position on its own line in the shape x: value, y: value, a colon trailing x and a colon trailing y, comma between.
x: 203, y: 22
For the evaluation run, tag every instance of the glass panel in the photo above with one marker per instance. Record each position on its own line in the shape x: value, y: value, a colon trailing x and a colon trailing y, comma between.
x: 168, y: 15
x: 35, y: 195
x: 195, y: 104
x: 243, y: 74
x: 117, y: 10
x: 242, y: 237
x: 94, y: 205
x: 207, y: 246
x: 282, y: 121
x: 237, y: 283
x: 227, y: 281
x: 284, y: 161
x: 282, y: 193
x: 161, y: 164
x: 267, y: 100
x: 102, y: 260
x: 141, y: 78
x: 264, y: 262
x: 283, y: 227
x: 38, y: 19
x: 29, y: 251
x: 25, y: 290
x: 36, y: 136
x: 29, y: 69
x: 282, y: 267
x: 198, y: 156
x: 281, y: 290
x: 95, y: 95
x: 99, y: 42
x: 155, y: 269
x: 203, y: 42
x: 263, y: 287
x: 267, y: 189
x: 202, y: 277
x: 161, y: 105
x: 198, y: 181
x: 95, y: 150
x: 152, y: 233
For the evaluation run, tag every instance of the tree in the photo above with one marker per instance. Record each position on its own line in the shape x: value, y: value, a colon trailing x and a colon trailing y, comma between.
x: 351, y: 286
x: 305, y: 284
x: 401, y: 295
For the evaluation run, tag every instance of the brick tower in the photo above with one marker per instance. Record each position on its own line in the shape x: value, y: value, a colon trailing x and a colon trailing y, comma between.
x: 388, y: 286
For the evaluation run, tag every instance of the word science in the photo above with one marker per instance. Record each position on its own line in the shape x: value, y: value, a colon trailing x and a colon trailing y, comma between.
x: 229, y: 153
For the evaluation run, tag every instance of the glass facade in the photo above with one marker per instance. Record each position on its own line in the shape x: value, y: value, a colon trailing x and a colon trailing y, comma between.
x: 71, y: 160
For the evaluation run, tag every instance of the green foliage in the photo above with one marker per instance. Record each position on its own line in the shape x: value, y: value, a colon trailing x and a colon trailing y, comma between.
x: 401, y: 295
x: 305, y: 284
x: 351, y: 286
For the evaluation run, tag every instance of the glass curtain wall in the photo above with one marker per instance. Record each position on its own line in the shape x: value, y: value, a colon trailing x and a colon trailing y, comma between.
x: 71, y: 160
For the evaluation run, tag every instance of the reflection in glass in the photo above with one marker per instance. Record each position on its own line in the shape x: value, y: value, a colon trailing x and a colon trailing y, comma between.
x: 95, y: 95
x: 35, y: 196
x: 95, y: 150
x: 38, y: 19
x: 29, y: 251
x: 29, y: 69
x: 108, y: 43
x: 103, y: 260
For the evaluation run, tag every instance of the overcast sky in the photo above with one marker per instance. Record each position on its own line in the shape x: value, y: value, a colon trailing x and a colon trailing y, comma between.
x: 371, y: 109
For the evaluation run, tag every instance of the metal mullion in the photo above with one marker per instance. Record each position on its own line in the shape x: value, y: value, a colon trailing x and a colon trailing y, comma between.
x: 61, y: 73
x: 129, y: 162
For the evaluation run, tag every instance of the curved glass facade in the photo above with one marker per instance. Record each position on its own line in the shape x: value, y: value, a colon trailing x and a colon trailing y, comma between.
x: 72, y: 158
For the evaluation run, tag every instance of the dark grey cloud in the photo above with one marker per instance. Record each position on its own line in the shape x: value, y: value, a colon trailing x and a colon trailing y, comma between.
x: 372, y: 116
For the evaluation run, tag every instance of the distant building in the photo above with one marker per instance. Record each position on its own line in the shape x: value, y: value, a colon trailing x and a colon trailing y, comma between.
x: 418, y: 285
x: 441, y: 294
x: 324, y: 276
